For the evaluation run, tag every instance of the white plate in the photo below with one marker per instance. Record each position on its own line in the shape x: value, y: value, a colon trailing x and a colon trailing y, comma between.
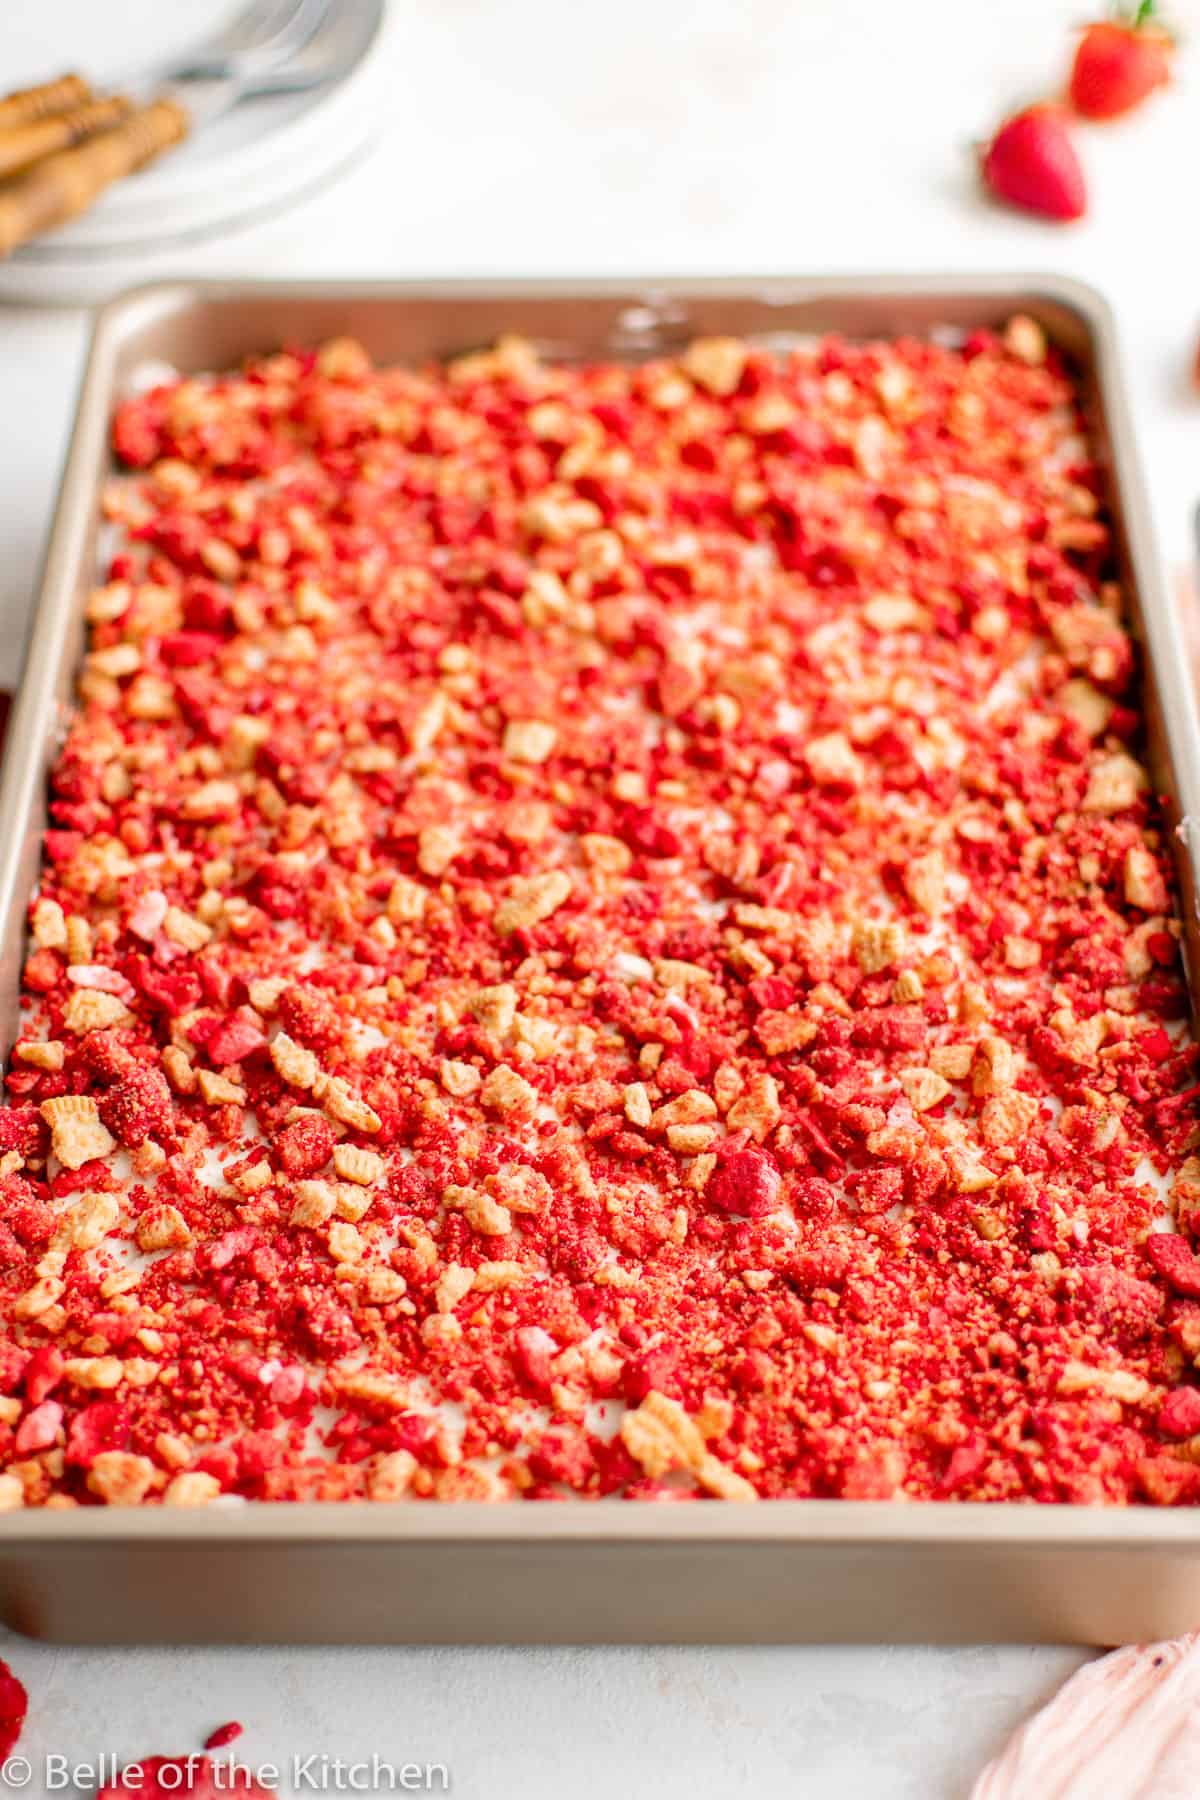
x: 245, y: 167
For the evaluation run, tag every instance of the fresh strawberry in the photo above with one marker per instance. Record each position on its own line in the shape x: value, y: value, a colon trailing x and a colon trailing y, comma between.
x: 1119, y: 63
x: 1031, y: 163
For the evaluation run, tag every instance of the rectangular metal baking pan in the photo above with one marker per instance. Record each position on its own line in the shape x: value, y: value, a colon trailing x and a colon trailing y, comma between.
x: 778, y: 1572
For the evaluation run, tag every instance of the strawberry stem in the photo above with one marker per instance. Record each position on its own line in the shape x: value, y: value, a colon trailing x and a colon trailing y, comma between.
x: 1133, y: 18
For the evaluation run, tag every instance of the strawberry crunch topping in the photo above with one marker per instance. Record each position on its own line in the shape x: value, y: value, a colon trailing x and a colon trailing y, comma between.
x: 604, y: 931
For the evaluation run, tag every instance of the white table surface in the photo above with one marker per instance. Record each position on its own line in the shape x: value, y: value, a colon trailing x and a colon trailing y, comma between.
x: 643, y: 136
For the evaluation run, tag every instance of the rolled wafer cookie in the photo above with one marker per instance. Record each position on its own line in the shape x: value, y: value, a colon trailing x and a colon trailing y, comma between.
x: 28, y: 105
x: 64, y: 185
x: 26, y: 144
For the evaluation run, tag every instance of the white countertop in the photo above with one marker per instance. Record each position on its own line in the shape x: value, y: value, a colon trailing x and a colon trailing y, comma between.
x: 532, y: 137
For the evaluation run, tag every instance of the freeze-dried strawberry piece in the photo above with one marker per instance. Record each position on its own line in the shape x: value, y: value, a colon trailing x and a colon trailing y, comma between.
x: 1179, y: 1414
x: 24, y: 1210
x: 288, y: 1387
x: 654, y: 1369
x: 176, y: 990
x: 62, y: 846
x: 890, y: 1028
x: 772, y: 993
x: 204, y: 703
x: 966, y: 1460
x: 748, y: 1182
x: 13, y: 1363
x: 1178, y: 1266
x: 1121, y: 1302
x: 813, y: 1198
x: 136, y: 431
x: 308, y: 1016
x: 182, y: 649
x: 104, y: 1055
x: 43, y: 971
x: 412, y: 1188
x: 278, y: 902
x: 21, y: 1129
x: 304, y: 1146
x: 534, y: 1351
x: 647, y: 831
x: 562, y: 1454
x: 138, y: 1106
x: 39, y: 1428
x: 216, y: 981
x: 221, y: 1464
x: 328, y: 1327
x: 231, y: 1245
x: 206, y: 607
x: 235, y: 1038
x: 25, y: 1081
x: 876, y: 1190
x: 257, y: 1452
x: 104, y: 1425
x: 43, y: 1372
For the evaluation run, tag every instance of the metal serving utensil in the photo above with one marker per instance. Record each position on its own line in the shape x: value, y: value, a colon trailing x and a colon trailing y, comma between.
x: 257, y: 38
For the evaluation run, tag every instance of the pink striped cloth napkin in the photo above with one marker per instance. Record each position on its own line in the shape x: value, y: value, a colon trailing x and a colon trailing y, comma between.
x: 1126, y: 1727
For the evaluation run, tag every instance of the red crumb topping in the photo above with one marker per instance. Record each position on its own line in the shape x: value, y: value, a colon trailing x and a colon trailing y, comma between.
x: 14, y: 1704
x: 605, y: 931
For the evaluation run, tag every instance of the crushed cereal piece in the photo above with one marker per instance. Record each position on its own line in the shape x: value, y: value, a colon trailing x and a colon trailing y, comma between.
x: 77, y: 1135
x: 1116, y: 782
x: 531, y: 901
x: 529, y: 740
x: 296, y: 1065
x: 344, y: 1105
x: 88, y: 1009
x: 505, y: 1091
x: 218, y: 1090
x: 119, y: 1478
x: 360, y: 1166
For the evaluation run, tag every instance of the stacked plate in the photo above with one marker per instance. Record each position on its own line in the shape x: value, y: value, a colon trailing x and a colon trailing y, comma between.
x: 264, y: 155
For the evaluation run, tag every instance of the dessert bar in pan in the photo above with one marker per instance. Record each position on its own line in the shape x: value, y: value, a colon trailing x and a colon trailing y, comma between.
x: 609, y: 932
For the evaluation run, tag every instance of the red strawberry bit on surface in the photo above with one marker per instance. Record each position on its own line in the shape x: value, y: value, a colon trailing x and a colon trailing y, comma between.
x: 1119, y: 64
x: 1179, y: 1415
x: 1178, y: 1266
x: 14, y: 1704
x: 224, y: 1734
x: 195, y: 1775
x: 1032, y: 164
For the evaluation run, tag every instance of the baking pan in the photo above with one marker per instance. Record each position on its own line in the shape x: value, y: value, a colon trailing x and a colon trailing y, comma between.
x: 608, y: 1572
